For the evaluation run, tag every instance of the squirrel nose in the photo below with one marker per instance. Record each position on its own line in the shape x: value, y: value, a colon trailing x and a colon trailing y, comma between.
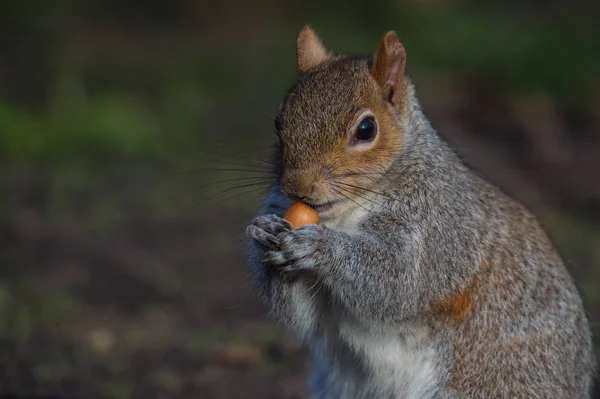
x: 305, y: 191
x: 299, y: 187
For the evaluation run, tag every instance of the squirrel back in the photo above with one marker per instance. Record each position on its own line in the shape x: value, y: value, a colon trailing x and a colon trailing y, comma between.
x: 422, y: 279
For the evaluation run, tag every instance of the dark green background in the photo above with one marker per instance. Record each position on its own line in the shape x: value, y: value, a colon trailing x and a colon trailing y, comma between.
x: 122, y: 258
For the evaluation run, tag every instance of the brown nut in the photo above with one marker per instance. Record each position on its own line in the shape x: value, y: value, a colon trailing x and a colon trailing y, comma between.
x: 301, y: 215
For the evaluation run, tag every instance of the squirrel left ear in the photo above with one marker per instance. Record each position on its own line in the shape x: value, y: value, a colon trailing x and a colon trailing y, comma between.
x: 389, y: 67
x: 309, y: 50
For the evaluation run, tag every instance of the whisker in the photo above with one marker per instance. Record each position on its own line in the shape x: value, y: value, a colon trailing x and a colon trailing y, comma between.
x: 222, y: 170
x: 365, y: 198
x: 243, y: 193
x: 263, y: 186
x: 235, y: 157
x: 232, y: 188
x: 267, y: 117
x: 351, y: 199
x: 316, y: 292
x: 263, y: 147
x: 311, y: 287
x: 340, y: 196
x: 337, y: 164
x: 256, y: 179
x: 337, y: 196
x: 370, y: 191
x: 356, y: 174
x: 340, y: 191
x: 227, y: 162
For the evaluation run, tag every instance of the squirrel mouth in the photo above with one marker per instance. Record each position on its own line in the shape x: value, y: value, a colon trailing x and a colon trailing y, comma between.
x: 322, y: 207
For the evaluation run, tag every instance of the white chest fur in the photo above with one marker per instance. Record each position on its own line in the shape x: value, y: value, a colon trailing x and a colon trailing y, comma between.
x: 400, y: 364
x: 348, y: 216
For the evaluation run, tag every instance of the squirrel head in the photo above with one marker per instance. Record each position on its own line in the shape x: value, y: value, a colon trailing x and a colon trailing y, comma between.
x: 338, y: 126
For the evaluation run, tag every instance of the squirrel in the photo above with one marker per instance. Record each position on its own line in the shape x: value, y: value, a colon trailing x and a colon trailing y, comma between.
x: 422, y: 279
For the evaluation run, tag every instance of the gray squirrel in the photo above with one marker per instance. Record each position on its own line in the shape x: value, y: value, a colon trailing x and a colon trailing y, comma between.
x: 422, y: 280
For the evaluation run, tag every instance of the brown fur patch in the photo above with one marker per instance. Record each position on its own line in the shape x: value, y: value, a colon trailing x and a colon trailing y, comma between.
x: 456, y: 306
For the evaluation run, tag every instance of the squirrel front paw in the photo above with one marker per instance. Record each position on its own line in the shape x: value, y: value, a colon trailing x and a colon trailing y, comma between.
x: 299, y: 249
x: 265, y: 229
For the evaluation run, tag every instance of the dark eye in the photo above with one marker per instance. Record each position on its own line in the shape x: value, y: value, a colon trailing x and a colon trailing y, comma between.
x: 366, y: 130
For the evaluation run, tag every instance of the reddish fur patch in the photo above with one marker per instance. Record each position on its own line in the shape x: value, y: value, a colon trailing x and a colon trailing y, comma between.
x: 456, y: 307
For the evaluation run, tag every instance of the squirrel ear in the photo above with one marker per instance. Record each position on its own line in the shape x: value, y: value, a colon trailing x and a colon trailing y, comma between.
x: 309, y: 50
x: 389, y: 67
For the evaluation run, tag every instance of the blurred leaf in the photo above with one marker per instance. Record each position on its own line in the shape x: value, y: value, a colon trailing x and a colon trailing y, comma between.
x: 22, y: 323
x: 5, y: 299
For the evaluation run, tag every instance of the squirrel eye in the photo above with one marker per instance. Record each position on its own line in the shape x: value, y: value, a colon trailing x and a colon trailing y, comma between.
x: 366, y: 130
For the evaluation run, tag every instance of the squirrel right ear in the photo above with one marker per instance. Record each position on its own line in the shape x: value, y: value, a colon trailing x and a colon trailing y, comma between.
x: 389, y: 67
x: 309, y: 50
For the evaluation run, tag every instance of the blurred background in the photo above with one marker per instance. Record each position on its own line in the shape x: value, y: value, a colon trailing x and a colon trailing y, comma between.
x: 123, y: 271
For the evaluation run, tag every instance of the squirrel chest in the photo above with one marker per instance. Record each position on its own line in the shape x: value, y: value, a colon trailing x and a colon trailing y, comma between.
x: 403, y: 364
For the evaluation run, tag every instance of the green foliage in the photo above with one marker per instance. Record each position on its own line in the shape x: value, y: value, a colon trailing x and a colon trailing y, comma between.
x: 21, y: 316
x: 97, y: 113
x: 76, y: 125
